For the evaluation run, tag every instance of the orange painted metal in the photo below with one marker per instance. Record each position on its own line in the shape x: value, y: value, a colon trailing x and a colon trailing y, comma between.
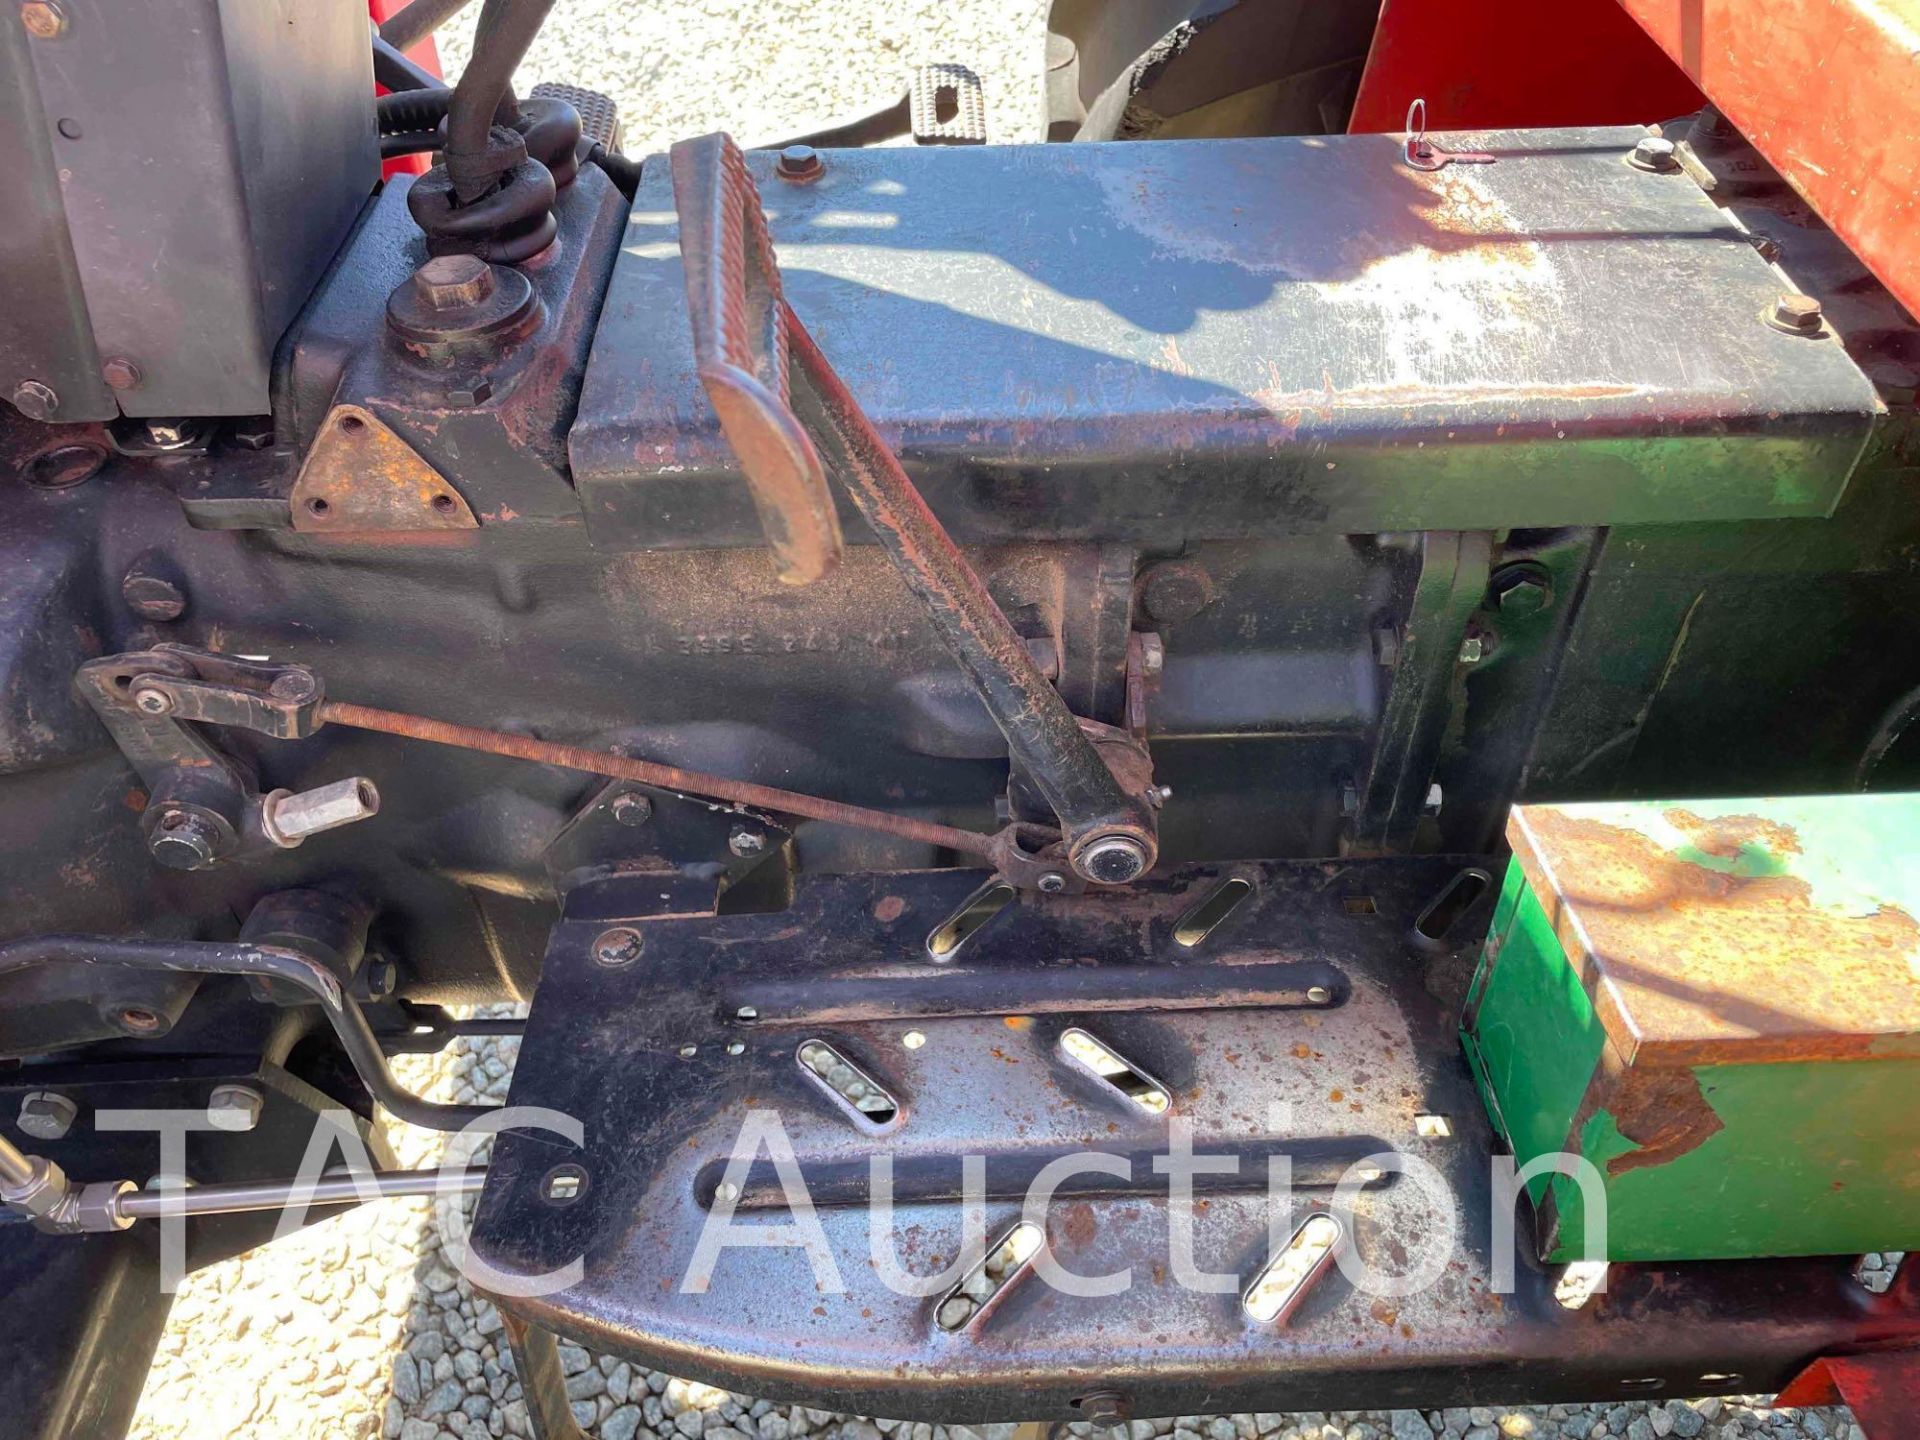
x: 1829, y: 92
x: 1881, y: 1387
x: 1514, y: 64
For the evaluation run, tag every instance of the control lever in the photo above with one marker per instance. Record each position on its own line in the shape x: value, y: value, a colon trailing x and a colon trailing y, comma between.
x: 784, y: 412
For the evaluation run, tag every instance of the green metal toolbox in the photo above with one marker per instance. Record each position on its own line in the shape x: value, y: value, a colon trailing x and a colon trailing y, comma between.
x: 1717, y: 1004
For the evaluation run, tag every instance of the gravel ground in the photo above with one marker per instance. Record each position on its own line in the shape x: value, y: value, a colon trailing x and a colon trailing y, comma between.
x: 360, y: 1326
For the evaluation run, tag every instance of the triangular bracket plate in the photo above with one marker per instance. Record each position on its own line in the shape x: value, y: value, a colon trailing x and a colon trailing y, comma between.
x: 360, y: 476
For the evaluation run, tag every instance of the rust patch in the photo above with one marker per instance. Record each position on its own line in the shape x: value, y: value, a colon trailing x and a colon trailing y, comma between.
x: 889, y: 908
x: 1661, y: 1110
x: 1689, y: 964
x: 1729, y: 835
x: 360, y: 476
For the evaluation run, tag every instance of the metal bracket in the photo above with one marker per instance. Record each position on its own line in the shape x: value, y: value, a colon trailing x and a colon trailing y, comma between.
x: 753, y: 353
x: 203, y: 806
x: 360, y: 476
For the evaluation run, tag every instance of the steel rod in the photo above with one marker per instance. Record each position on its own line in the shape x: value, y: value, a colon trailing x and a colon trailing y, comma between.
x: 647, y: 772
x: 207, y: 958
x: 278, y: 1194
x: 15, y: 1167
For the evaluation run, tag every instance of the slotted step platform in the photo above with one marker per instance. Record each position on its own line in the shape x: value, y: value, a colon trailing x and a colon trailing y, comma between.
x: 1298, y: 1012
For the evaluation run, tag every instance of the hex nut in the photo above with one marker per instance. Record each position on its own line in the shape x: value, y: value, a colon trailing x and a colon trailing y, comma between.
x: 235, y: 1108
x: 745, y: 841
x: 468, y: 394
x: 1519, y: 590
x: 290, y: 818
x: 46, y: 1114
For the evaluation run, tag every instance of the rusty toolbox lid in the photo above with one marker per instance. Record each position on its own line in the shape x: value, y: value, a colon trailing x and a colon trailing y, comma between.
x: 1737, y: 931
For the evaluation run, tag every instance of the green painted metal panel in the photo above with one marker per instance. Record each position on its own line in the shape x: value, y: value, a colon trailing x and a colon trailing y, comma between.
x: 1717, y: 1004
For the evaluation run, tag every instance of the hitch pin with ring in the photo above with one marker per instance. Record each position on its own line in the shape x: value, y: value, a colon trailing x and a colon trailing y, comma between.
x: 1423, y: 154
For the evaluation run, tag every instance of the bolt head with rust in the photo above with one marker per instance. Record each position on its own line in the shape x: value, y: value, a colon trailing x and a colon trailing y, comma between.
x: 745, y: 840
x: 1799, y: 313
x: 152, y: 701
x: 296, y: 687
x: 631, y: 809
x: 120, y: 373
x: 36, y: 400
x: 800, y: 163
x: 44, y: 19
x: 453, y: 282
x: 46, y: 1114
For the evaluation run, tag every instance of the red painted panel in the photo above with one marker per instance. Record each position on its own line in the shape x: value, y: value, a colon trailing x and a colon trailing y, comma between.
x: 425, y: 54
x: 1829, y: 92
x: 1483, y: 64
x: 1883, y: 1389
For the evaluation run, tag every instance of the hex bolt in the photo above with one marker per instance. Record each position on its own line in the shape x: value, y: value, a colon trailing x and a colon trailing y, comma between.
x: 151, y: 701
x: 36, y: 400
x: 631, y: 809
x: 46, y: 1114
x: 1799, y: 313
x: 1105, y: 1407
x: 44, y: 19
x: 289, y: 818
x: 235, y: 1108
x: 1473, y: 650
x: 120, y: 373
x: 800, y: 164
x: 182, y: 840
x: 1655, y: 153
x: 295, y: 686
x: 453, y: 282
x: 619, y: 946
x: 746, y: 840
x: 1052, y: 883
x: 380, y: 977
